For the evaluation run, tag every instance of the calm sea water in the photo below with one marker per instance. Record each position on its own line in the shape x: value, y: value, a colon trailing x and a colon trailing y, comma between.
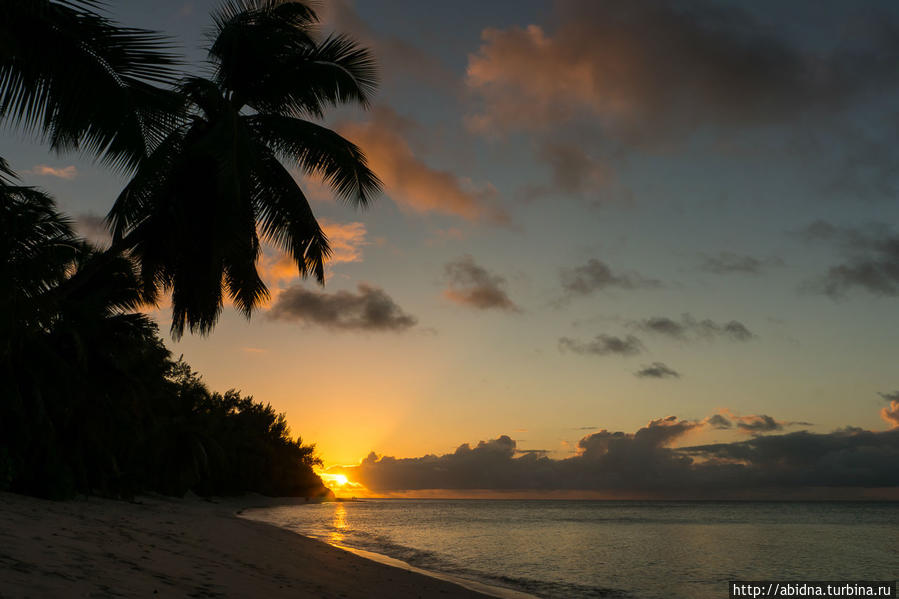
x: 646, y: 550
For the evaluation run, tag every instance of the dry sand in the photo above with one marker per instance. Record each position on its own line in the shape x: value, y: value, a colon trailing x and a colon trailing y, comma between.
x: 181, y: 548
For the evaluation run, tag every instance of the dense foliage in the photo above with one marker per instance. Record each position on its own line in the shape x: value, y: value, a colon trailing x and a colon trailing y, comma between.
x: 90, y: 399
x: 93, y: 402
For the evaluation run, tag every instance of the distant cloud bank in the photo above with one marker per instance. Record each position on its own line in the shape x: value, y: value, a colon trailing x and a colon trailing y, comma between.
x: 645, y: 464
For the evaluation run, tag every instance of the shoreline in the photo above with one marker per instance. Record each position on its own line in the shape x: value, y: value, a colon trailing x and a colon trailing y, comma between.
x: 186, y: 547
x: 485, y: 589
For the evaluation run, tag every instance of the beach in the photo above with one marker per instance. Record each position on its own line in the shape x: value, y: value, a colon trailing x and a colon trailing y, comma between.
x: 159, y: 546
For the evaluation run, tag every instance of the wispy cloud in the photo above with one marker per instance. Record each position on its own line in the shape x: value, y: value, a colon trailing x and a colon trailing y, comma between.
x: 347, y: 240
x: 596, y: 275
x: 872, y: 259
x: 688, y: 328
x: 657, y: 370
x: 412, y: 183
x: 724, y: 263
x: 602, y: 345
x: 60, y: 172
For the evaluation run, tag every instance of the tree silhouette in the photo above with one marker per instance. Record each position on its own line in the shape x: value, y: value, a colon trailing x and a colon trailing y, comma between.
x: 195, y: 211
x: 84, y: 82
x: 90, y: 399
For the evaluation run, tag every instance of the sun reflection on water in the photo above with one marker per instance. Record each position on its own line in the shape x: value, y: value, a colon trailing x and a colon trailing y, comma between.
x: 338, y: 525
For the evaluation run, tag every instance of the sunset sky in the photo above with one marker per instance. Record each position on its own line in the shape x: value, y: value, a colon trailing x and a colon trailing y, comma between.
x: 596, y: 216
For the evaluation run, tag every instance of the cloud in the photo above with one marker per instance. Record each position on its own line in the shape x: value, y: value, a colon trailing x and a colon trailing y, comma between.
x: 657, y: 370
x: 759, y: 424
x: 688, y: 328
x: 596, y: 275
x: 93, y: 228
x: 729, y: 262
x: 276, y: 267
x: 718, y: 421
x: 574, y: 170
x: 399, y: 61
x: 602, y: 345
x: 890, y: 413
x: 413, y: 184
x: 65, y: 172
x: 472, y: 285
x: 752, y: 424
x: 346, y: 240
x: 369, y: 309
x: 646, y: 463
x: 651, y: 71
x: 872, y: 259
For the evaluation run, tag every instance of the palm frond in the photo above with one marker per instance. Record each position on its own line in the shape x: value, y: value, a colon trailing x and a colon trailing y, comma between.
x: 320, y: 151
x: 285, y: 217
x: 82, y: 81
x: 268, y: 58
x: 309, y: 79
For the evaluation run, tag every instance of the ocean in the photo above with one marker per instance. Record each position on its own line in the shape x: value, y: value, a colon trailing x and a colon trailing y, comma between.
x: 639, y: 549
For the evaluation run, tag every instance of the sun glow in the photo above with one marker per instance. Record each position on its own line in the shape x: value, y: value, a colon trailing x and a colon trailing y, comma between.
x: 337, y: 482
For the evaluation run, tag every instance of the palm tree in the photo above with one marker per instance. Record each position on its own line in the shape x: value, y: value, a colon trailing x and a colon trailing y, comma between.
x: 84, y: 82
x: 198, y: 205
x: 74, y: 374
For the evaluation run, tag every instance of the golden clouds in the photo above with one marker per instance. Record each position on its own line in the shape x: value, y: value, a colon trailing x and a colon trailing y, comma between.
x: 413, y: 184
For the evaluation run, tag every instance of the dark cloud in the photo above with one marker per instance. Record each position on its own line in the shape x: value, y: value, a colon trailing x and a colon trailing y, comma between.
x: 596, y: 275
x: 602, y: 345
x: 472, y: 285
x: 729, y: 262
x: 573, y: 169
x: 717, y: 421
x: 645, y: 463
x: 753, y: 424
x: 760, y: 424
x: 667, y: 68
x: 657, y: 370
x: 369, y: 309
x: 872, y: 259
x: 688, y: 328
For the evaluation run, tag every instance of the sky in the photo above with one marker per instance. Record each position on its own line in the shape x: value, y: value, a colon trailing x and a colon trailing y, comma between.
x: 623, y: 249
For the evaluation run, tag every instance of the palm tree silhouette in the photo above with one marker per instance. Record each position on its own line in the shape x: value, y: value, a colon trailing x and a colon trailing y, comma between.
x: 69, y: 370
x: 195, y: 211
x: 90, y: 399
x: 84, y: 82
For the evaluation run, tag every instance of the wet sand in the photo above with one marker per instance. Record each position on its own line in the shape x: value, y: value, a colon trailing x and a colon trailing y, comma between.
x: 166, y: 547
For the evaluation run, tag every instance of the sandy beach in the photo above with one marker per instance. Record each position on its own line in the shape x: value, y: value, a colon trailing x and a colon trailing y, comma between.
x: 181, y: 548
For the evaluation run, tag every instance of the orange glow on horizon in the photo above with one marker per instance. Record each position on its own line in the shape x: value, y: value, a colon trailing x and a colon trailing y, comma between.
x: 341, y: 486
